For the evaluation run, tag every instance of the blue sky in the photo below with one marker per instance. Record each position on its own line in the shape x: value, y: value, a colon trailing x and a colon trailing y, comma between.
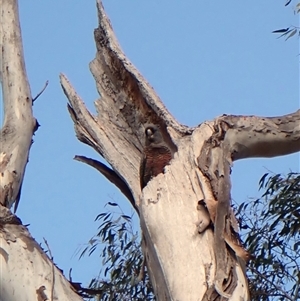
x: 203, y: 58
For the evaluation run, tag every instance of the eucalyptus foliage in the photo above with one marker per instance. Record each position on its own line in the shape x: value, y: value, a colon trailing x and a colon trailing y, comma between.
x: 123, y: 274
x: 271, y: 227
x: 292, y: 30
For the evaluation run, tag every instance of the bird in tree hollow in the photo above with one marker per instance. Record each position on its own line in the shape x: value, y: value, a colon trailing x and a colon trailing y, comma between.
x: 156, y: 154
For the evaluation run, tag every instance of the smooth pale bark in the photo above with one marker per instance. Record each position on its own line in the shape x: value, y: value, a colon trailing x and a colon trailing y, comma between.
x: 26, y: 272
x: 253, y: 136
x: 19, y: 124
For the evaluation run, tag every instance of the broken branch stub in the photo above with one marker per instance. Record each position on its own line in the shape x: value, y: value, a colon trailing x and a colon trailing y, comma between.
x: 127, y: 103
x: 19, y: 123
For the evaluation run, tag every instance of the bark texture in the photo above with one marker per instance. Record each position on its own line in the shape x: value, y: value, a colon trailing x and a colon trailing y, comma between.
x: 190, y: 238
x: 26, y: 272
x: 19, y: 123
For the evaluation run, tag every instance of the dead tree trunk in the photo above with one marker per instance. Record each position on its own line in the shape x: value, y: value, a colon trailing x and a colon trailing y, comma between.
x: 190, y: 236
x: 26, y: 272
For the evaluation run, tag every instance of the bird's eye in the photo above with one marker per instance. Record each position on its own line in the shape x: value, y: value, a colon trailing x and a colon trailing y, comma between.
x: 149, y: 131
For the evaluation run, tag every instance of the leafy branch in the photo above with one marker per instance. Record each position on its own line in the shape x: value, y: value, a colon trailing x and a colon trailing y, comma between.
x: 271, y: 227
x: 292, y: 30
x: 121, y: 274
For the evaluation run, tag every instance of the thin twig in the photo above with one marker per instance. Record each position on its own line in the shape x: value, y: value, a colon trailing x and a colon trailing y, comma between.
x: 53, y: 276
x: 39, y: 94
x: 297, y: 291
x: 272, y: 283
x: 70, y: 276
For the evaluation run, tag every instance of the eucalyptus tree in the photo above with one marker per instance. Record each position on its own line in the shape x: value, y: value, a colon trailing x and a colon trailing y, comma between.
x: 190, y: 238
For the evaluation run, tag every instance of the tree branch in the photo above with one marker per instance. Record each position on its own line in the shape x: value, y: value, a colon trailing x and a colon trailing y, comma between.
x: 41, y: 92
x: 19, y: 124
x: 253, y: 136
x: 20, y: 252
x: 111, y: 175
x: 278, y: 288
x: 25, y: 268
